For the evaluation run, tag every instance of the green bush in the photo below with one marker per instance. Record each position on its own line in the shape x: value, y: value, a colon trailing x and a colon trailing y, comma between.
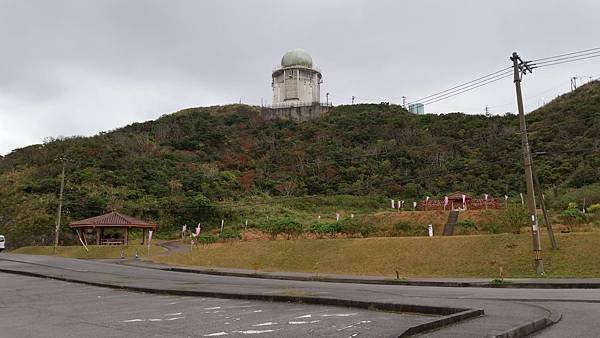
x: 594, y: 208
x: 402, y: 226
x: 573, y: 216
x: 514, y: 218
x: 288, y: 226
x: 353, y: 227
x: 324, y: 228
x: 467, y: 224
x: 207, y: 239
x: 230, y: 234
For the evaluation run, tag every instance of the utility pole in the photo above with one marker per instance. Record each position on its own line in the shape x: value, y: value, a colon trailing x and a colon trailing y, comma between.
x: 487, y: 111
x: 573, y: 83
x: 403, y: 101
x: 518, y: 67
x: 540, y: 194
x: 327, y: 99
x: 60, y: 199
x: 352, y: 99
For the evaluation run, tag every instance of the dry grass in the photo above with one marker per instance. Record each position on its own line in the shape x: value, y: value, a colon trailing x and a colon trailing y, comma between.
x: 457, y: 256
x: 96, y: 252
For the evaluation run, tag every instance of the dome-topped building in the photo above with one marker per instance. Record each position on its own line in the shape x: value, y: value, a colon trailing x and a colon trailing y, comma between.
x: 296, y: 83
x: 296, y: 89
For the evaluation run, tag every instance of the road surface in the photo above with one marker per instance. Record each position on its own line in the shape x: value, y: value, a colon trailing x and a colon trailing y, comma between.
x: 504, y: 308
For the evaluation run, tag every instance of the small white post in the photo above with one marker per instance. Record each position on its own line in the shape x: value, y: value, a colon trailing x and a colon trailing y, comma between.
x: 222, y: 224
x: 430, y: 230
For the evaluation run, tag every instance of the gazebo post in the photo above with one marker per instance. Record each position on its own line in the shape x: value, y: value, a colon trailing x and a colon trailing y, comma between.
x: 98, y: 236
x: 126, y: 237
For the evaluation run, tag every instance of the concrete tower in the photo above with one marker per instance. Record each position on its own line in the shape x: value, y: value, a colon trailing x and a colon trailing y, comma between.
x: 296, y: 83
x: 296, y: 89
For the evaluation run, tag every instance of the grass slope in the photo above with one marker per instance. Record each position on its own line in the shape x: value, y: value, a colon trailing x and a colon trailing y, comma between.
x: 457, y: 256
x: 96, y: 252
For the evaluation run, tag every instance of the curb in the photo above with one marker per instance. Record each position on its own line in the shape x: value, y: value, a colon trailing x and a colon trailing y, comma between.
x: 457, y: 284
x: 449, y: 315
x: 529, y: 328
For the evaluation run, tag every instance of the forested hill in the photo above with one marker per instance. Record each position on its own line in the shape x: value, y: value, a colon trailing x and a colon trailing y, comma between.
x: 200, y: 156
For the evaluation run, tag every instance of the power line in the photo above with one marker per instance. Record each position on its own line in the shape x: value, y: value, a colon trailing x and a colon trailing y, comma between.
x: 567, y: 54
x: 458, y: 87
x: 533, y: 65
x: 466, y: 89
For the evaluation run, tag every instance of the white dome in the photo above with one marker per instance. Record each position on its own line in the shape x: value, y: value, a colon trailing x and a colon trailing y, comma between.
x: 296, y: 57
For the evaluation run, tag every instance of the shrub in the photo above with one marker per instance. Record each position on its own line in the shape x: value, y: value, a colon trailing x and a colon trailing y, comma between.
x: 207, y: 239
x: 230, y: 234
x: 289, y: 227
x: 594, y: 208
x: 402, y: 226
x: 514, y: 218
x: 355, y: 226
x: 324, y: 228
x: 467, y: 224
x: 269, y: 227
x: 573, y: 216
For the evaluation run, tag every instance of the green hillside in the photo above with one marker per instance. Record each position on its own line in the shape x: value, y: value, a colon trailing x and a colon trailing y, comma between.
x: 199, y: 164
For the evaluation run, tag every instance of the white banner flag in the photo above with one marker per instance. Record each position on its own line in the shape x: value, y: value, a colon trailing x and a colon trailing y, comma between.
x: 445, y: 200
x: 184, y: 228
x: 149, y: 236
x: 522, y: 201
x: 414, y: 205
x: 198, y: 228
x: 393, y: 206
x: 486, y: 197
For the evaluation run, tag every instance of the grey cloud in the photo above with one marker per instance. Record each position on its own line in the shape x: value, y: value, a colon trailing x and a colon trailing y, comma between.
x: 58, y: 55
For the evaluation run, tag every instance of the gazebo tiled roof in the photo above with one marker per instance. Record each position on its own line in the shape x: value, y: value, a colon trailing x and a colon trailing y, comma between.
x: 113, y: 219
x: 457, y: 195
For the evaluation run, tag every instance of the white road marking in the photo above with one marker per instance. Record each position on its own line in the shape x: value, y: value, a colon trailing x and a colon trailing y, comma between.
x: 265, y: 324
x: 305, y: 316
x: 212, y: 308
x: 216, y: 334
x: 257, y: 311
x: 355, y: 324
x: 339, y: 315
x: 154, y: 320
x: 303, y: 322
x: 134, y: 320
x: 254, y: 331
x: 173, y: 314
x: 175, y: 318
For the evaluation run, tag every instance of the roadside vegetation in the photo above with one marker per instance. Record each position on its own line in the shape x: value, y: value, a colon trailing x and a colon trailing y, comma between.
x: 465, y: 256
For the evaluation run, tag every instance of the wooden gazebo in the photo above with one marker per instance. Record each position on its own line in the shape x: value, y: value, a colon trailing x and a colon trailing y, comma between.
x: 113, y: 220
x: 456, y: 200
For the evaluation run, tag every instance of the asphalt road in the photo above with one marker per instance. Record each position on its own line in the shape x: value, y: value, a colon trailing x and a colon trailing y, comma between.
x: 504, y: 308
x: 37, y: 307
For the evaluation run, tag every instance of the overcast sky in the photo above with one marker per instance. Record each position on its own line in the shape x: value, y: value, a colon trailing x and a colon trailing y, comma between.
x: 81, y: 67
